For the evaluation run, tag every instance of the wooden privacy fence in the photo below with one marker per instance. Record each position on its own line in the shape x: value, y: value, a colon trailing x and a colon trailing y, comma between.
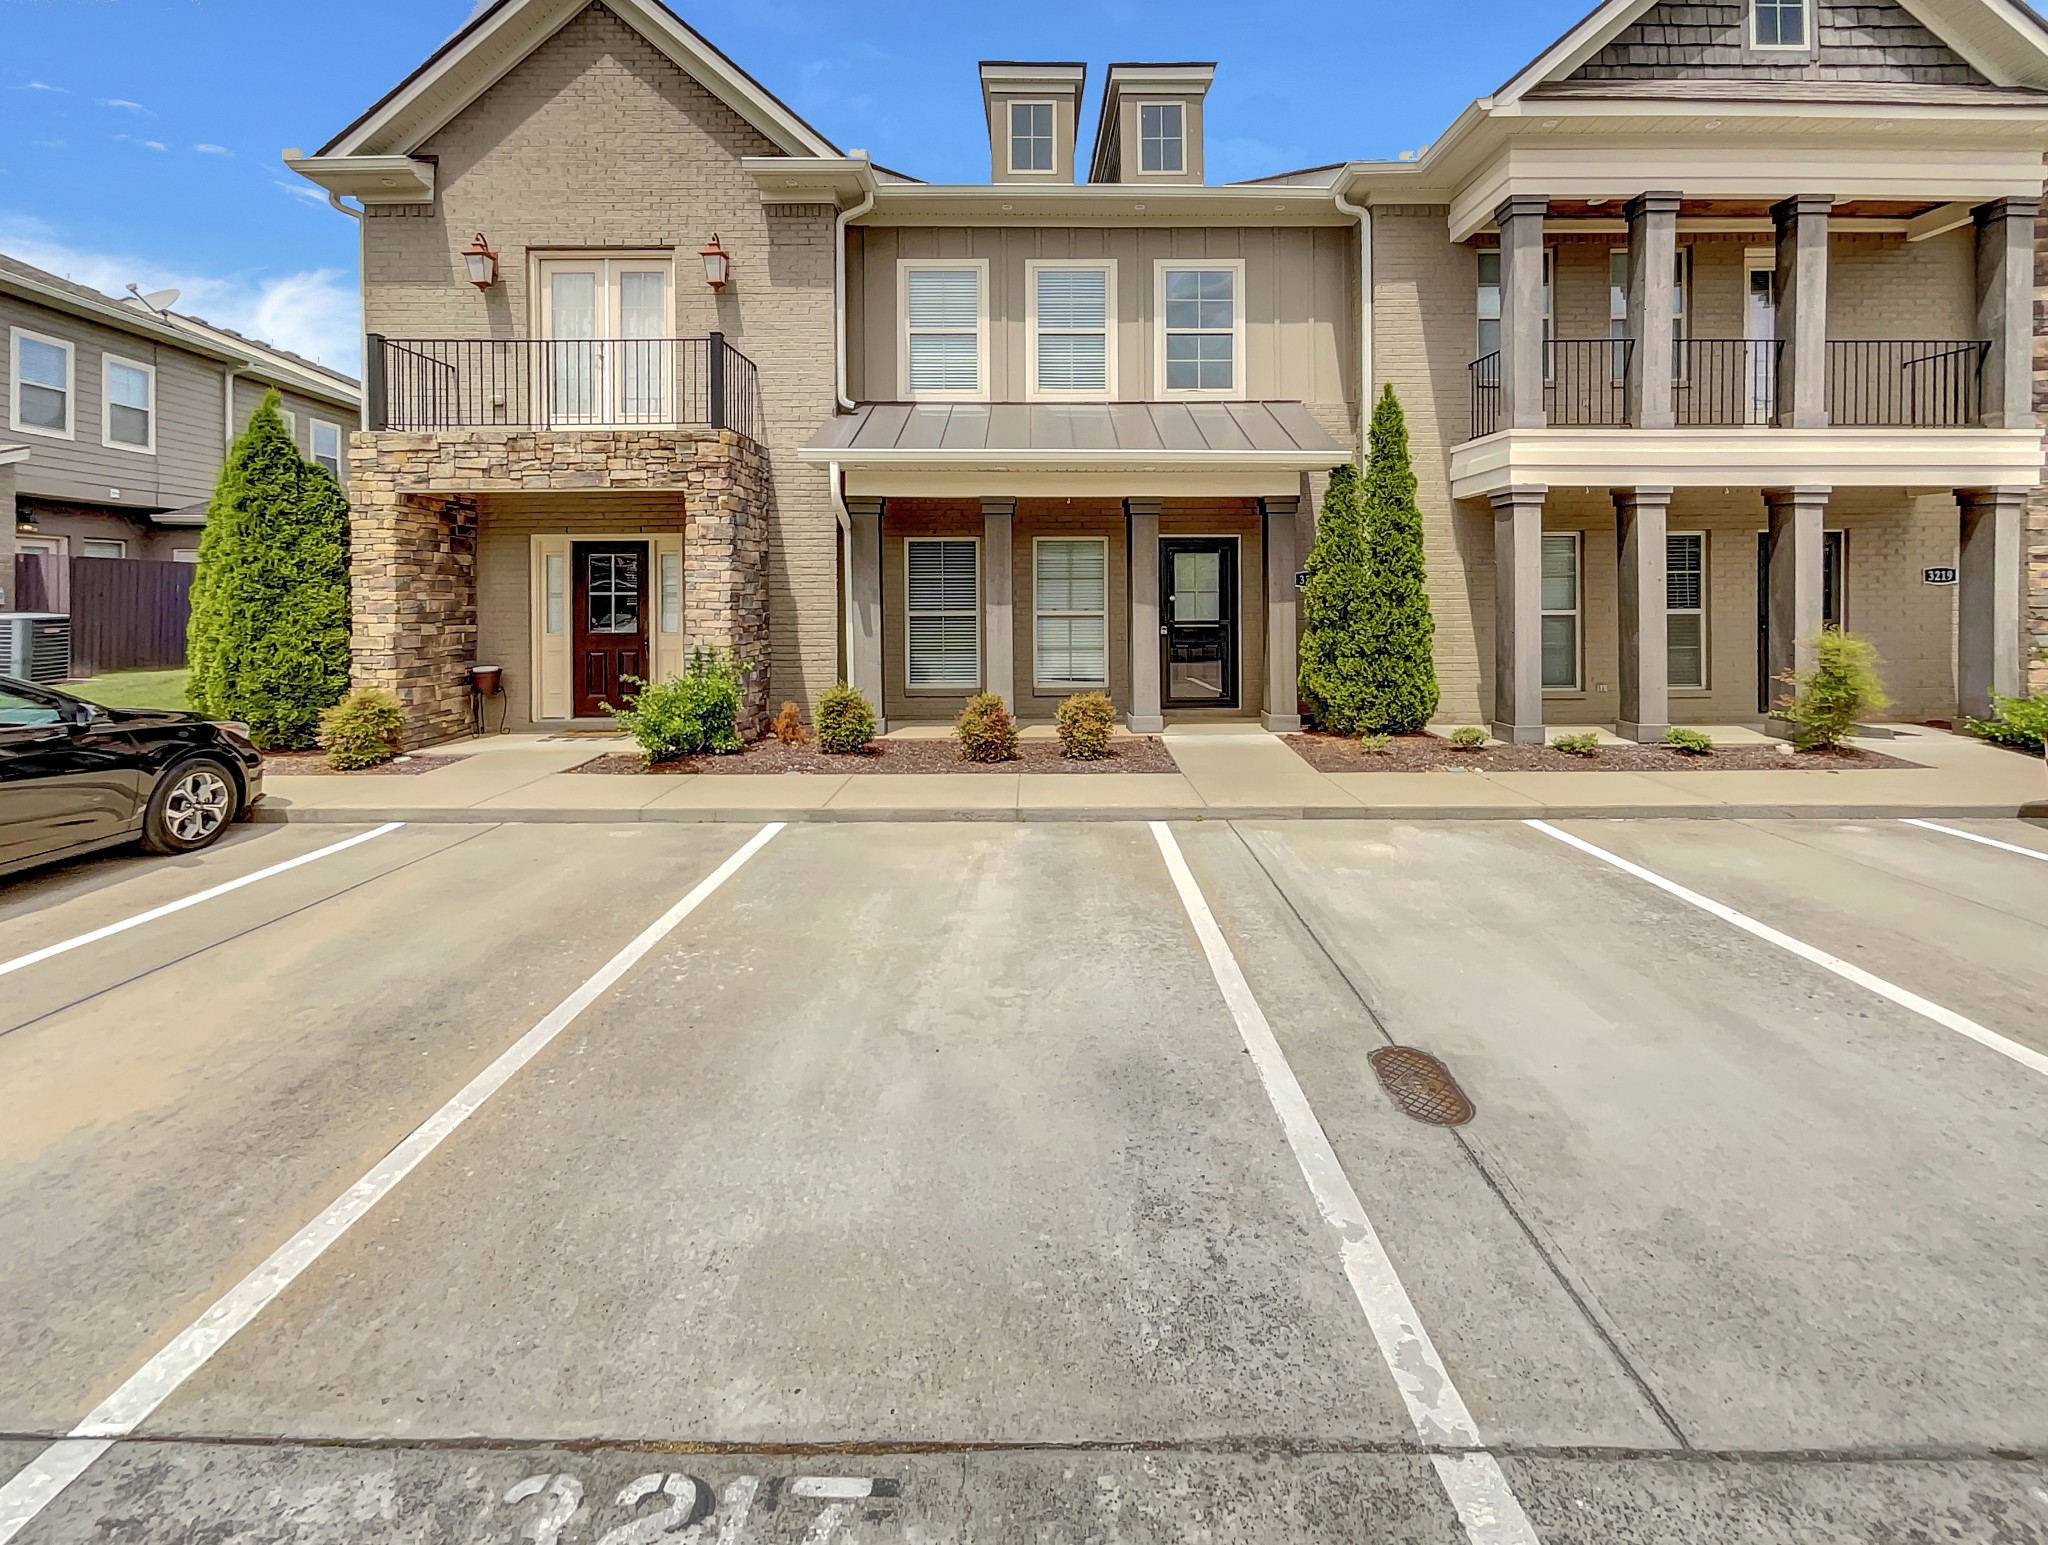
x: 127, y: 614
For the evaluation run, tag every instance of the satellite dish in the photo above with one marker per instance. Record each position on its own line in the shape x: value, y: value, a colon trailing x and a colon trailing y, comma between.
x: 161, y: 300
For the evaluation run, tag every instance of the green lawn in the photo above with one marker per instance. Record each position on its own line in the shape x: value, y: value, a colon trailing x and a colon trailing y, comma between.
x: 133, y: 689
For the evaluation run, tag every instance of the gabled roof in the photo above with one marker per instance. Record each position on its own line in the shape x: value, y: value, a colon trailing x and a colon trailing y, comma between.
x: 2004, y: 40
x: 505, y: 32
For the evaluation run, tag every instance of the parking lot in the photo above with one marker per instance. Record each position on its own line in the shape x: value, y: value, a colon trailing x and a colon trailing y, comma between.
x: 949, y: 1182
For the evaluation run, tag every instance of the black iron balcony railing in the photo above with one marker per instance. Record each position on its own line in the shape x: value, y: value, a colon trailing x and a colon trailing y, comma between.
x: 1725, y: 381
x: 1883, y: 383
x: 1582, y: 385
x: 560, y: 383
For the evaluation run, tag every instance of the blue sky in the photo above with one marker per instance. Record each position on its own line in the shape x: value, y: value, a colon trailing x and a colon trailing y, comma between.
x: 139, y: 139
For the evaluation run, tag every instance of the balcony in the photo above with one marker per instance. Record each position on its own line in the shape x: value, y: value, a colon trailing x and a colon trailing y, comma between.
x: 560, y: 384
x: 1724, y: 383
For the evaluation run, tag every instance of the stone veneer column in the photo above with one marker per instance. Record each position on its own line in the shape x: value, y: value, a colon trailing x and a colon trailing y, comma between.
x: 725, y: 559
x: 864, y: 603
x: 1801, y: 224
x: 1652, y: 270
x: 1991, y: 576
x: 1518, y: 614
x: 1521, y: 311
x: 1280, y: 546
x: 1141, y: 543
x: 1641, y: 520
x: 998, y: 612
x: 1794, y: 603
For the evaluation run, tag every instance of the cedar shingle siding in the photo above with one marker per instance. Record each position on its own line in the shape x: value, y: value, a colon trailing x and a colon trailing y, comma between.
x: 1868, y: 40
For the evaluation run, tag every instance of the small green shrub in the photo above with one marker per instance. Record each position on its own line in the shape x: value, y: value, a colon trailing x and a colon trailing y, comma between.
x: 364, y: 729
x: 2016, y: 721
x: 1583, y: 744
x: 694, y: 714
x: 1842, y: 689
x: 1691, y: 742
x: 1085, y: 722
x: 1468, y: 737
x: 844, y: 721
x: 986, y: 732
x: 1374, y: 742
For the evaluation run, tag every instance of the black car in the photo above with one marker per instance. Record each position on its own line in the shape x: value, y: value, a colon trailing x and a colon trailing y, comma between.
x: 75, y: 776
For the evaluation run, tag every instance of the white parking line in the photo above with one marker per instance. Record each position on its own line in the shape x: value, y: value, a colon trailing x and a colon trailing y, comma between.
x: 45, y: 953
x: 44, y: 1478
x: 1989, y: 842
x: 1947, y: 1018
x: 1478, y: 1489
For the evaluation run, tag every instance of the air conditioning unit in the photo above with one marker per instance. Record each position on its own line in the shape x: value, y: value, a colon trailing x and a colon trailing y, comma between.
x: 35, y: 646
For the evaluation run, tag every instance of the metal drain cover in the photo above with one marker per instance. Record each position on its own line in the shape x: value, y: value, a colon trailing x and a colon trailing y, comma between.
x: 1421, y: 1086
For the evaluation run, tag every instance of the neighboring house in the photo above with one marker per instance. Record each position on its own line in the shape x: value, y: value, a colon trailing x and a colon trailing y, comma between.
x: 1713, y: 325
x: 115, y: 419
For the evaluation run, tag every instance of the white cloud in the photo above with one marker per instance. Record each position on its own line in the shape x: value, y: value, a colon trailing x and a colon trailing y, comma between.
x: 314, y: 312
x: 304, y: 190
x: 37, y: 85
x: 133, y: 107
x: 213, y: 150
x: 154, y: 144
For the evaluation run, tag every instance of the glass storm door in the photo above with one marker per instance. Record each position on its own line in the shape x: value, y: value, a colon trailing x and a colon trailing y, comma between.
x: 1760, y: 327
x: 1198, y: 622
x: 609, y: 358
x: 611, y: 623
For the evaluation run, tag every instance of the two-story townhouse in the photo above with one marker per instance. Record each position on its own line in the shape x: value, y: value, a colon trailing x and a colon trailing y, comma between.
x: 1713, y: 325
x: 115, y: 417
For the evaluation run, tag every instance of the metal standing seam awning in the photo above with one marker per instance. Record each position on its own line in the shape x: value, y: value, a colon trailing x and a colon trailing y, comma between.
x: 1104, y: 449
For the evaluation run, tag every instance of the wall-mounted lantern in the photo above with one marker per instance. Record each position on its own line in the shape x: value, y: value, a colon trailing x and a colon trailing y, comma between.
x: 482, y: 261
x: 717, y: 264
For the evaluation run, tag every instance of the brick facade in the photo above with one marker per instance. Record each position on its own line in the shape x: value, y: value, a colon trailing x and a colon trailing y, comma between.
x: 1857, y: 40
x: 419, y: 500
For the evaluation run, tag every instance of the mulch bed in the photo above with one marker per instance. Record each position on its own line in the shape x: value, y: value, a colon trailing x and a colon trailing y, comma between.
x: 288, y: 764
x: 1128, y: 754
x: 1426, y: 753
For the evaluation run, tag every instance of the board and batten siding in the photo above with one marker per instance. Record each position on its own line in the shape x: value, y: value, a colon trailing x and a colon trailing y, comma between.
x: 1299, y: 305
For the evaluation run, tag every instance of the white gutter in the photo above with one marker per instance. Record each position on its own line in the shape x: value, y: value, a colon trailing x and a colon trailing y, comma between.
x: 1362, y: 213
x: 839, y: 350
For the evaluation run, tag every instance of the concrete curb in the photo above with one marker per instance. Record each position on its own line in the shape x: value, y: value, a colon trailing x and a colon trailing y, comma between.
x: 277, y: 815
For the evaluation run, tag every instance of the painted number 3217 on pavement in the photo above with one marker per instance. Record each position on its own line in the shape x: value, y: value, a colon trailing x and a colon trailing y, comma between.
x: 677, y: 1509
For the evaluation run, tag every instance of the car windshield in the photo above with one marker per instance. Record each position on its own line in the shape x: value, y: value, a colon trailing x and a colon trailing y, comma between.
x: 18, y: 712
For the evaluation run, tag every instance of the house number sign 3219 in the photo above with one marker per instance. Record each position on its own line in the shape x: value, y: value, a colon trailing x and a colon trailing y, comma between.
x: 1942, y: 576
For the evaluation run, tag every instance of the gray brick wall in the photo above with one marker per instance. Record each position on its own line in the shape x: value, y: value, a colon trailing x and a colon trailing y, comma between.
x: 1856, y: 40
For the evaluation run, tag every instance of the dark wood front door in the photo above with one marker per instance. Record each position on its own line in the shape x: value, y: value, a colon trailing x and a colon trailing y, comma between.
x: 611, y: 622
x: 1198, y: 616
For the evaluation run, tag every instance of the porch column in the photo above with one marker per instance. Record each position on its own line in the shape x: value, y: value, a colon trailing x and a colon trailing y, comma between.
x: 1652, y: 271
x: 864, y: 603
x: 2005, y: 310
x: 1141, y: 544
x: 1521, y: 311
x: 1641, y: 517
x: 1989, y: 586
x: 1518, y: 615
x: 9, y: 546
x: 998, y: 624
x: 1801, y: 223
x: 1793, y: 586
x: 1283, y: 652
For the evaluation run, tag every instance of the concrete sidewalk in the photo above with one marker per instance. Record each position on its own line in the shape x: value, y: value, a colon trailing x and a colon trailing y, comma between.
x: 1227, y: 771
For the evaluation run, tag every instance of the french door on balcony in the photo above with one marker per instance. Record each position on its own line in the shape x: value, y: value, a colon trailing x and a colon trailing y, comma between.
x: 611, y: 356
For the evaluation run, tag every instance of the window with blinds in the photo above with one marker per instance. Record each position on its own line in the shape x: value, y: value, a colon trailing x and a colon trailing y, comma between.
x: 1070, y: 324
x: 942, y: 628
x: 942, y: 317
x: 1070, y: 596
x: 1685, y: 608
x: 1561, y: 612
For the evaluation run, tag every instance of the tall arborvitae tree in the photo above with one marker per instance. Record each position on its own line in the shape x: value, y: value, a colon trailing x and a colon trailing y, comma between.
x: 1333, y: 611
x: 1399, y: 684
x: 268, y: 638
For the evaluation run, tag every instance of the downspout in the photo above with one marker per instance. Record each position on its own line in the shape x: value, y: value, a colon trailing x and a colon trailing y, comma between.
x: 362, y: 273
x: 1362, y: 213
x: 839, y: 349
x: 840, y: 513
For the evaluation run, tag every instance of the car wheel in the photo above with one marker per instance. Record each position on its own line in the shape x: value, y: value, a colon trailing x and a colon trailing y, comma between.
x: 191, y: 805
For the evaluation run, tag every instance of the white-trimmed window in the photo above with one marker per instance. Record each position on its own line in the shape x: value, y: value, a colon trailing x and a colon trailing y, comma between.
x: 41, y: 546
x: 327, y: 446
x: 1162, y: 137
x: 1201, y: 328
x: 942, y: 606
x: 1070, y: 306
x: 1031, y: 137
x: 184, y: 555
x: 291, y: 423
x: 44, y: 374
x: 128, y: 408
x: 1685, y: 608
x: 1786, y: 24
x: 1070, y: 602
x: 1617, y: 307
x: 945, y: 328
x: 1561, y: 611
x: 102, y: 547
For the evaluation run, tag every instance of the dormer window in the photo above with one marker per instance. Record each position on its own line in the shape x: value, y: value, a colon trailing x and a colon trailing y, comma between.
x: 1162, y: 137
x: 1782, y: 24
x: 1031, y: 137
